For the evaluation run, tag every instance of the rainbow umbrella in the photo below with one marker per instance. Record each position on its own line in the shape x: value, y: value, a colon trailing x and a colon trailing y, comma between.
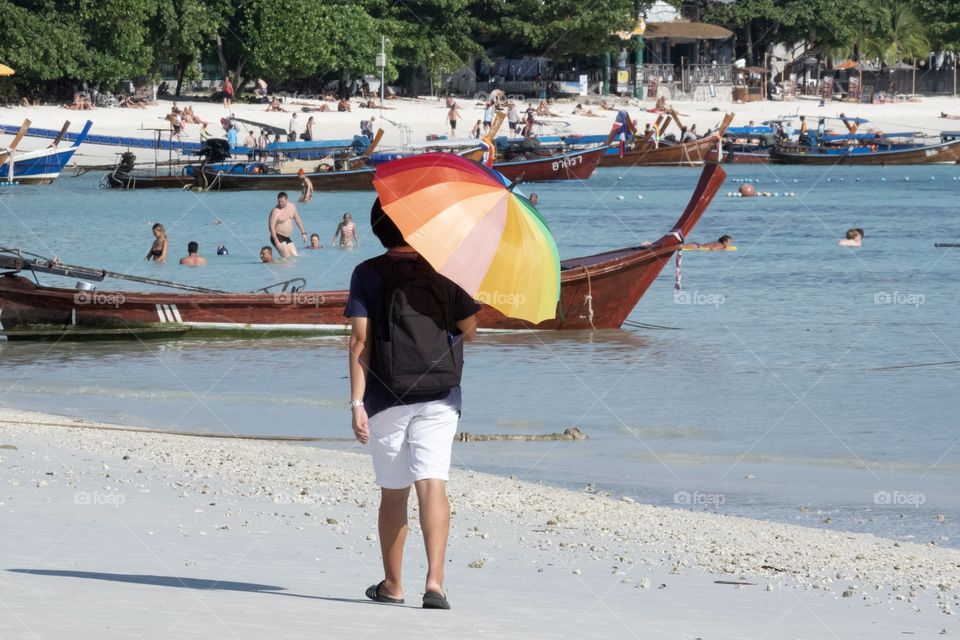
x: 467, y: 222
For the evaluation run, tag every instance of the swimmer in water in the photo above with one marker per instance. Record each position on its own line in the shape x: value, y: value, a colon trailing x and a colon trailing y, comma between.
x: 534, y: 198
x: 725, y: 243
x: 222, y: 250
x: 193, y: 259
x: 266, y: 255
x: 854, y: 238
x: 315, y: 241
x: 306, y: 187
x: 158, y: 250
x: 347, y: 232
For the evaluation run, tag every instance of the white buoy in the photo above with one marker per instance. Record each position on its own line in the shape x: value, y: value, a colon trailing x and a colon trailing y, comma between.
x: 639, y: 197
x: 619, y: 197
x: 907, y: 178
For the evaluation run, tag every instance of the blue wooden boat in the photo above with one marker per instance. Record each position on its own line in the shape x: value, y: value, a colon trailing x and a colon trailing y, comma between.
x: 41, y: 166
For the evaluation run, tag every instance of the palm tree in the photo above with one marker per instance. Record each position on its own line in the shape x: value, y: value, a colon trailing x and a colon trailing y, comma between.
x: 897, y: 35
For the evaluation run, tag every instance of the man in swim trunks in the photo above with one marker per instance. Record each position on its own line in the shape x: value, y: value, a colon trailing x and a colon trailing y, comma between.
x: 280, y: 225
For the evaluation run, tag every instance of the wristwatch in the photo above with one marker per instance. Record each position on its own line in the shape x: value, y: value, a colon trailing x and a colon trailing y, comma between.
x: 356, y: 403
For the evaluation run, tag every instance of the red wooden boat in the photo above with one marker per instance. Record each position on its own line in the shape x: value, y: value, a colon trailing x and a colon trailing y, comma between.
x: 573, y: 165
x: 597, y: 292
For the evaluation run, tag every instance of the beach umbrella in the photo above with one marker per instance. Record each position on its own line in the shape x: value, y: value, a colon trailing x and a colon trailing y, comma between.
x: 5, y: 70
x: 467, y: 221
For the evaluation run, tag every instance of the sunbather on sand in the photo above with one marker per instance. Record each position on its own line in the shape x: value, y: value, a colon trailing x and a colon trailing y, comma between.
x: 275, y: 106
x: 544, y: 110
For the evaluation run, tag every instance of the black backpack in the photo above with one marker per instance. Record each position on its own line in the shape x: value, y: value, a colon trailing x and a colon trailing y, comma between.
x: 416, y: 347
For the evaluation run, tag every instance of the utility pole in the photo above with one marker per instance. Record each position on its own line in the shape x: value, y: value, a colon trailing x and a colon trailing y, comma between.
x: 382, y: 63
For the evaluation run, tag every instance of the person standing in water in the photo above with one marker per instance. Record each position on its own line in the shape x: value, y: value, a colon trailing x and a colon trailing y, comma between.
x: 280, y: 224
x: 306, y: 187
x: 158, y: 250
x: 347, y: 232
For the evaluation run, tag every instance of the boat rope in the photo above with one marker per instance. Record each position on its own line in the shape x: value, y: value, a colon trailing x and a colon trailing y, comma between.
x: 588, y: 299
x: 678, y: 275
x: 645, y: 325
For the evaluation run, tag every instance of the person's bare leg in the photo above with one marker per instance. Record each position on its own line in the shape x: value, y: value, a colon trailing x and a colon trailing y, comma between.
x: 435, y: 523
x: 392, y: 526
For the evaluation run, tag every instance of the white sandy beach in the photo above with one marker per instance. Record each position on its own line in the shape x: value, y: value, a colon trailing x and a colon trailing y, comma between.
x: 426, y: 116
x: 119, y: 534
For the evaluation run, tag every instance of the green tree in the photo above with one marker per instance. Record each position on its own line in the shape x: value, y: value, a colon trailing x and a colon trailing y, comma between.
x: 255, y: 38
x: 427, y: 34
x: 755, y: 22
x: 117, y: 39
x: 58, y: 54
x: 942, y: 18
x: 898, y: 34
x: 182, y: 31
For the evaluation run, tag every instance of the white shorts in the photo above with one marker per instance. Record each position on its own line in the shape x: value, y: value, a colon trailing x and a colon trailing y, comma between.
x: 414, y: 441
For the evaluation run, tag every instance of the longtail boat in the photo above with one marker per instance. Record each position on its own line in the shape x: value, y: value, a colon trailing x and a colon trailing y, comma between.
x: 743, y: 145
x: 645, y: 152
x: 597, y: 292
x: 349, y: 174
x: 41, y: 166
x: 570, y: 165
x: 334, y: 180
x: 573, y: 165
x: 945, y: 151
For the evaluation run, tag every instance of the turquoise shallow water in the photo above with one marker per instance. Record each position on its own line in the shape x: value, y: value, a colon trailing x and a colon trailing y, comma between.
x: 784, y: 390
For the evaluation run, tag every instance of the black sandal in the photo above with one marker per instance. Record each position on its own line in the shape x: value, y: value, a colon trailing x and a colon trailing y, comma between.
x: 435, y: 600
x: 373, y: 592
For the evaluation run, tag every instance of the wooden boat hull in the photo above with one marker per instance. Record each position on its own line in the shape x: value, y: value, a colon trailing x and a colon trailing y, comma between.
x: 576, y: 165
x: 597, y: 292
x: 744, y: 157
x: 146, y: 181
x: 687, y: 154
x: 350, y: 180
x: 944, y: 152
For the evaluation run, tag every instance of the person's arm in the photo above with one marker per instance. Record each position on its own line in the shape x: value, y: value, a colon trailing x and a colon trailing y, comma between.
x: 296, y: 218
x: 336, y: 233
x: 468, y: 327
x: 359, y: 363
x: 356, y: 238
x: 272, y: 227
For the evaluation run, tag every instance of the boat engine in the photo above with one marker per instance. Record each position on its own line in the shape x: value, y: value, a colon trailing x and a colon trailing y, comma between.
x: 215, y: 150
x: 127, y: 161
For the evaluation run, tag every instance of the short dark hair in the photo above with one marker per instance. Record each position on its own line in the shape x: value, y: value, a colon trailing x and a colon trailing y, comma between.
x: 192, y: 247
x: 384, y: 228
x: 725, y: 238
x: 267, y: 248
x: 282, y: 194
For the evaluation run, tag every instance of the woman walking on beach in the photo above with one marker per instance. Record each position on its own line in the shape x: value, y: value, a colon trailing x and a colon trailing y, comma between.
x: 158, y: 250
x: 407, y: 415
